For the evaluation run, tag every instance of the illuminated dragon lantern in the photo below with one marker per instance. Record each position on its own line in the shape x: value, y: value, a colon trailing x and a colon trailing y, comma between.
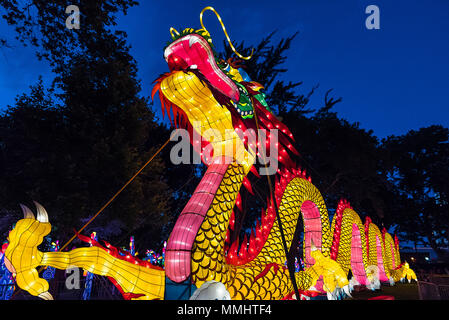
x: 218, y: 101
x: 210, y: 95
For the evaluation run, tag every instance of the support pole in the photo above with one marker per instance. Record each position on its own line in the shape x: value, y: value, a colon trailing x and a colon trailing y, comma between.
x: 290, y: 266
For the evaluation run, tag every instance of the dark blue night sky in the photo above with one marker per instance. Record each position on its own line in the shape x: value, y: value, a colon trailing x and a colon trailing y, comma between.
x: 391, y: 80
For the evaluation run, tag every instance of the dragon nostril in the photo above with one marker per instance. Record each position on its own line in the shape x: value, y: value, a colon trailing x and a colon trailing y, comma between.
x: 176, y: 63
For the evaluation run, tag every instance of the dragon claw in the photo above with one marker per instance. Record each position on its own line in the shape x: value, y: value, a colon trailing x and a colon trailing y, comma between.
x: 331, y: 296
x: 46, y: 296
x: 347, y: 291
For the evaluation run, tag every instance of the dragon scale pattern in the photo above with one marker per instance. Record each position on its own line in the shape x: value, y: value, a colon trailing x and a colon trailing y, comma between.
x: 242, y: 281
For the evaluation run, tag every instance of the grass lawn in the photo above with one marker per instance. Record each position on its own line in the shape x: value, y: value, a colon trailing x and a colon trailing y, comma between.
x: 400, y: 291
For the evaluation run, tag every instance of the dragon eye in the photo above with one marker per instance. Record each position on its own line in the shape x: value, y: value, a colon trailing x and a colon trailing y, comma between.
x: 224, y: 65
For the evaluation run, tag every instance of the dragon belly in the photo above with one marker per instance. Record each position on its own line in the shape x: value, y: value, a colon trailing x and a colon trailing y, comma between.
x: 265, y: 276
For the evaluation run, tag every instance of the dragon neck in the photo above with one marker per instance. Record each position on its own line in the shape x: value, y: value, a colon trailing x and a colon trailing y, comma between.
x: 208, y: 252
x: 207, y: 212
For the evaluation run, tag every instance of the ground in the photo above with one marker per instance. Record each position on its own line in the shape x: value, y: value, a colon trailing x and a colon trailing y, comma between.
x: 400, y: 291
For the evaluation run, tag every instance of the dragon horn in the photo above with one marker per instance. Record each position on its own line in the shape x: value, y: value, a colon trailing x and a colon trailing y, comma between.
x: 42, y: 215
x: 27, y: 213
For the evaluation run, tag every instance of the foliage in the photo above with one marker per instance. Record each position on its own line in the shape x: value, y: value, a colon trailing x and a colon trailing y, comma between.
x: 73, y: 146
x: 265, y: 67
x: 419, y: 167
x: 42, y: 24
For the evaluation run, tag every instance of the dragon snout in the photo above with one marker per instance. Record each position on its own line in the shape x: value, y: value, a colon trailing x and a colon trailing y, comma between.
x: 194, y: 52
x: 176, y: 63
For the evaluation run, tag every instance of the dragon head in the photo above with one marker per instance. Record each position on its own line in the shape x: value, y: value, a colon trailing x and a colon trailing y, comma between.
x: 215, y: 98
x: 22, y: 256
x: 191, y: 51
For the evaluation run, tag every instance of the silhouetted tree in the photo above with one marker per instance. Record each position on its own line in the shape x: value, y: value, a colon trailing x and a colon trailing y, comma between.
x: 71, y: 148
x: 419, y: 167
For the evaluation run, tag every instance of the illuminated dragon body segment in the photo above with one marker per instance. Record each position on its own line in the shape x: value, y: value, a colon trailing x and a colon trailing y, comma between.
x: 358, y: 246
x: 213, y: 100
x: 376, y: 250
x: 348, y: 247
x: 241, y: 270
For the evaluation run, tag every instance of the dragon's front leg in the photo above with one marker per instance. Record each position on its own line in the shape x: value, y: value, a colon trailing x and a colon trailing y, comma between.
x: 136, y: 281
x: 23, y: 258
x: 334, y: 278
